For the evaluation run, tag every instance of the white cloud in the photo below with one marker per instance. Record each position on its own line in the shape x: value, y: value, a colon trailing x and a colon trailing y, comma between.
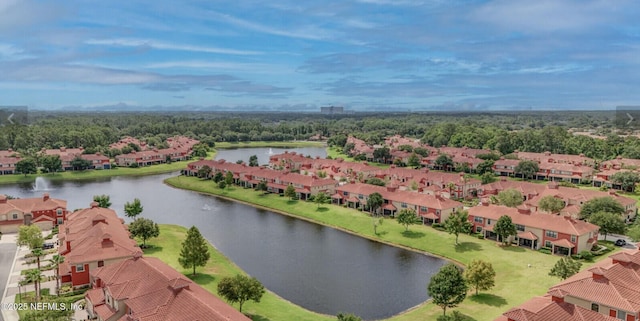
x: 133, y: 42
x: 303, y: 32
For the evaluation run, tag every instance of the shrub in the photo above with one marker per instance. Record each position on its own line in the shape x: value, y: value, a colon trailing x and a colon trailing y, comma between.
x: 133, y: 165
x: 438, y: 226
x: 585, y: 255
x: 545, y: 250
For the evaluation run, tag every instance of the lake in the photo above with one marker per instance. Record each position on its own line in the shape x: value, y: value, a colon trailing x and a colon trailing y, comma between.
x: 317, y: 267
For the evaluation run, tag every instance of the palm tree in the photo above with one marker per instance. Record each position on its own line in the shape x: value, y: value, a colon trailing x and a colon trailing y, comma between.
x: 35, y: 276
x: 451, y: 186
x: 56, y: 261
x: 38, y: 252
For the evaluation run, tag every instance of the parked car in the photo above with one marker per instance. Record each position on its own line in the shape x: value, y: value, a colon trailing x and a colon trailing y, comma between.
x: 47, y: 246
x: 620, y: 242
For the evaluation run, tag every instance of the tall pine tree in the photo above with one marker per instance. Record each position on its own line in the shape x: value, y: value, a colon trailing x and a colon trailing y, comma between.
x: 194, y: 251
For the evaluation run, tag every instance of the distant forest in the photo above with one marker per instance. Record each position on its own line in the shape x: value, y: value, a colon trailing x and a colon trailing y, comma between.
x: 504, y: 132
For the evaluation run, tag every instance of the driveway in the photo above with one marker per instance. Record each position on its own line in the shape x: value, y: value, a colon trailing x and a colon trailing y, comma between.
x: 612, y: 237
x: 7, y: 254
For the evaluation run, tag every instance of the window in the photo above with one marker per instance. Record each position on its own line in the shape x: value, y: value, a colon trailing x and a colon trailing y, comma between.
x: 573, y: 238
x: 403, y: 205
x: 360, y: 196
x: 478, y: 229
x: 622, y: 315
x: 59, y: 212
x: 345, y: 193
x: 520, y: 227
x: 423, y: 209
x: 547, y: 244
x: 551, y: 234
x: 80, y: 268
x: 15, y: 216
x: 488, y: 221
x: 100, y: 263
x: 478, y: 219
x: 595, y: 307
x: 60, y: 221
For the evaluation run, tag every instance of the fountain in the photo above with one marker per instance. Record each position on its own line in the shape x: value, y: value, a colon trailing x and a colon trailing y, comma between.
x: 41, y: 184
x: 270, y: 151
x: 206, y: 207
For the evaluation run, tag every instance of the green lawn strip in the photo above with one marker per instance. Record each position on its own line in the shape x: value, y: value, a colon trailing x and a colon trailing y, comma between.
x: 28, y: 298
x: 515, y: 282
x: 334, y: 153
x: 272, y: 307
x: 289, y: 144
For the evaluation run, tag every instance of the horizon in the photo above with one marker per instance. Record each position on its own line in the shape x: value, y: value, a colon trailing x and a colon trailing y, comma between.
x: 398, y: 56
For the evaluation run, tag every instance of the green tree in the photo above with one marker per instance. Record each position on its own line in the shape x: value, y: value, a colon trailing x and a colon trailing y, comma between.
x: 487, y: 178
x: 458, y: 222
x: 447, y: 288
x: 480, y: 275
x: 375, y: 181
x: 262, y: 186
x: 551, y: 204
x: 228, y: 178
x: 485, y: 167
x: 145, y: 229
x: 222, y: 184
x: 527, y: 168
x: 253, y: 161
x: 30, y: 236
x: 565, y: 267
x: 406, y: 217
x: 103, y: 200
x: 608, y: 222
x: 51, y: 163
x: 133, y: 209
x: 321, y: 198
x: 421, y: 151
x: 454, y: 316
x: 505, y: 228
x: 444, y: 162
x: 240, y: 289
x: 35, y: 276
x: 381, y: 153
x: 195, y: 251
x: 413, y: 160
x: 79, y: 163
x: 26, y: 166
x: 200, y: 150
x: 218, y: 177
x: 56, y: 260
x: 601, y: 204
x: 634, y: 232
x: 204, y: 171
x: 510, y: 197
x: 348, y: 317
x: 626, y: 180
x: 290, y: 192
x: 374, y: 202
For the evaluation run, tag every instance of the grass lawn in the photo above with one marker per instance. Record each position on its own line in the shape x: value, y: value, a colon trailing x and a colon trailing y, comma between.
x: 334, y: 153
x: 271, y: 307
x: 515, y: 282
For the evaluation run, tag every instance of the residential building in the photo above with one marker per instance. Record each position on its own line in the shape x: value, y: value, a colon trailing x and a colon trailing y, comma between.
x: 611, y: 287
x: 46, y: 212
x: 432, y: 209
x: 145, y: 288
x: 552, y: 307
x: 89, y: 239
x: 562, y: 234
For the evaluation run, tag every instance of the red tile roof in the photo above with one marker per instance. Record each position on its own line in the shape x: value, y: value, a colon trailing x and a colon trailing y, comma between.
x: 155, y: 291
x: 546, y: 309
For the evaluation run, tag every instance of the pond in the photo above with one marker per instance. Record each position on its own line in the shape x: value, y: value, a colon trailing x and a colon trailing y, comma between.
x: 317, y: 267
x: 263, y: 153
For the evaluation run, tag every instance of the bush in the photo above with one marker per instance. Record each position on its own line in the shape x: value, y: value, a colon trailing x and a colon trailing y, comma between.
x: 545, y: 250
x: 585, y: 255
x: 133, y: 165
x: 438, y: 226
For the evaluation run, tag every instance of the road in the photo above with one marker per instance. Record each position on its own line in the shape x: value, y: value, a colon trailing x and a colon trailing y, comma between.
x: 7, y: 254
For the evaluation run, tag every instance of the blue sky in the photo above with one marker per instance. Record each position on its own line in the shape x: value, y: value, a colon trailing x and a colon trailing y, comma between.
x: 296, y: 54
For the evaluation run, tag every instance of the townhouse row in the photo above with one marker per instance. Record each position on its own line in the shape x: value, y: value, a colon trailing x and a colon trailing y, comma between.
x: 45, y: 212
x: 123, y: 285
x: 180, y: 148
x: 608, y: 291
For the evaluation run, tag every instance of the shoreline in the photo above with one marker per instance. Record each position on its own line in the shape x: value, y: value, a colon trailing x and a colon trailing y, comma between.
x: 148, y: 170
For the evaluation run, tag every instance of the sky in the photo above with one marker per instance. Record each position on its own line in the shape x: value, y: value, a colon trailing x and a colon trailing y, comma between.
x: 299, y: 55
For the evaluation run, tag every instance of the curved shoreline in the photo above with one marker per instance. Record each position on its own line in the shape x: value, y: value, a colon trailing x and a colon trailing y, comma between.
x: 310, y: 220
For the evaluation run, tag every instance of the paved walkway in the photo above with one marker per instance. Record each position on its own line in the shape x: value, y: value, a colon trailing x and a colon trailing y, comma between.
x: 19, y: 264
